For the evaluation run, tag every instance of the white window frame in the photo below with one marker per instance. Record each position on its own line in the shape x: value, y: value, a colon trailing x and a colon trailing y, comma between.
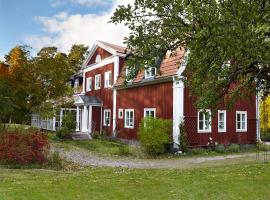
x: 127, y: 74
x: 128, y: 125
x: 88, y: 80
x: 107, y: 82
x: 241, y: 113
x: 106, y: 111
x: 225, y: 121
x: 150, y: 110
x: 98, y: 58
x: 148, y: 72
x: 210, y: 121
x: 96, y: 76
x: 120, y: 110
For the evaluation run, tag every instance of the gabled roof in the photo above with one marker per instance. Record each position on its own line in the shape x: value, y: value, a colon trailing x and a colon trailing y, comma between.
x: 169, y: 67
x: 87, y: 100
x: 111, y: 48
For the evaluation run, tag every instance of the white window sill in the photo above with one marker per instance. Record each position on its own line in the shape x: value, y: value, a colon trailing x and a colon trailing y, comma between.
x: 222, y: 131
x: 129, y: 127
x: 204, y: 131
x: 241, y: 131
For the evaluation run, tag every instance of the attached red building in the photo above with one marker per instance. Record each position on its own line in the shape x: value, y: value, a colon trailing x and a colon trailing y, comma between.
x: 107, y: 104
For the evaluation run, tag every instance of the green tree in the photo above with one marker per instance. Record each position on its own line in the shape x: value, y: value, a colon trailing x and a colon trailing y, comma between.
x: 77, y: 55
x: 228, y: 43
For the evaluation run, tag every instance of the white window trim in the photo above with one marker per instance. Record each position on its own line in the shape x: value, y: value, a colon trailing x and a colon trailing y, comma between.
x: 119, y: 116
x: 149, y: 69
x: 198, y: 121
x: 98, y: 58
x: 129, y: 110
x: 127, y: 74
x: 241, y: 112
x: 98, y: 75
x: 105, y: 79
x: 150, y: 109
x: 225, y: 121
x: 104, y: 117
x: 87, y: 84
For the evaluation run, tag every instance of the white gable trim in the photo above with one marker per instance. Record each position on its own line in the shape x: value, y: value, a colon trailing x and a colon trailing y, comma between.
x: 94, y: 48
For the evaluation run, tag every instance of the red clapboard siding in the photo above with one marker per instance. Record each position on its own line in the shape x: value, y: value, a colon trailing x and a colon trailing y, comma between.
x: 105, y: 94
x: 231, y: 136
x: 159, y: 96
x: 103, y: 54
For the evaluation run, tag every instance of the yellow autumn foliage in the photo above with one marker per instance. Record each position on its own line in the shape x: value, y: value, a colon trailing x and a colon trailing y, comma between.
x: 265, y: 113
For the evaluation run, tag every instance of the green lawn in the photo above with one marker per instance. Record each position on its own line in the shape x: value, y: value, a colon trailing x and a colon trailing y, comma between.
x: 226, y: 182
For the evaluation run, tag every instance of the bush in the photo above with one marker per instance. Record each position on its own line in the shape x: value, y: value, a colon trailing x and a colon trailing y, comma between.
x: 96, y: 135
x: 18, y: 148
x: 233, y: 148
x: 154, y: 135
x: 68, y: 125
x: 183, y: 138
x: 220, y: 148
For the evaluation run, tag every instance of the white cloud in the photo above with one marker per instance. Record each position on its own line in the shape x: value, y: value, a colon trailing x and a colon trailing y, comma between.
x: 87, y: 3
x: 64, y: 30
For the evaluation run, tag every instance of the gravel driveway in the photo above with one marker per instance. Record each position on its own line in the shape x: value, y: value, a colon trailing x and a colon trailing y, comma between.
x: 86, y: 158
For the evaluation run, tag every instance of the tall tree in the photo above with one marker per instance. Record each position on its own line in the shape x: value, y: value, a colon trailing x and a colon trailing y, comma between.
x: 228, y: 43
x: 77, y: 55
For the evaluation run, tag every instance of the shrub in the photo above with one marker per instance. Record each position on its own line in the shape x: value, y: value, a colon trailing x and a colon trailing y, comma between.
x: 154, y: 135
x: 220, y: 148
x: 183, y: 138
x: 233, y: 148
x: 68, y: 125
x: 96, y: 135
x: 18, y: 148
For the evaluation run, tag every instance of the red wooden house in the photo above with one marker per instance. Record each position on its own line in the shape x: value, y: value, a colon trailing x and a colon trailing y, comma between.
x: 106, y: 104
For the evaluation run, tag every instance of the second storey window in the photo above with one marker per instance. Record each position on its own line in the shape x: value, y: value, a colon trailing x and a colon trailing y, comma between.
x: 150, y: 112
x: 241, y: 121
x: 150, y: 72
x: 107, y: 117
x: 129, y: 118
x: 204, y: 121
x: 108, y: 79
x: 89, y: 84
x: 222, y: 121
x: 97, y: 81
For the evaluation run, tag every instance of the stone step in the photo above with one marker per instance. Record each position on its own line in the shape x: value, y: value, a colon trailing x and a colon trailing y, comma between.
x: 81, y: 136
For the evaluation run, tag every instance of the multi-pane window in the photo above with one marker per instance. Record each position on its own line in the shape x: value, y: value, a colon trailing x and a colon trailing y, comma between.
x: 222, y: 121
x: 107, y: 117
x: 241, y: 121
x: 129, y: 118
x: 150, y: 72
x: 128, y: 75
x: 204, y: 121
x: 120, y: 113
x: 97, y: 81
x: 89, y: 84
x: 108, y: 79
x: 150, y: 112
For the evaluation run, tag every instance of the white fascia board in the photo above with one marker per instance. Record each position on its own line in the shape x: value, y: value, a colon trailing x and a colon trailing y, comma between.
x: 103, y: 62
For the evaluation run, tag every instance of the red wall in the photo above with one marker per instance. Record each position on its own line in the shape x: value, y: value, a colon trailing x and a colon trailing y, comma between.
x: 103, y: 54
x: 231, y: 136
x: 159, y: 96
x: 104, y: 94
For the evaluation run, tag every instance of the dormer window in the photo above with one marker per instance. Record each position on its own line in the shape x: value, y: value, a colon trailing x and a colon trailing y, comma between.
x: 150, y: 72
x: 128, y: 72
x: 98, y: 58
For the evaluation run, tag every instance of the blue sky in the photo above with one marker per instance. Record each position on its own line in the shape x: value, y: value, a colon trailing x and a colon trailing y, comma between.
x: 59, y: 23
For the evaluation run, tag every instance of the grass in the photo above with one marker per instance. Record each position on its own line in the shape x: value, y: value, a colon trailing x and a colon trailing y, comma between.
x: 227, y: 182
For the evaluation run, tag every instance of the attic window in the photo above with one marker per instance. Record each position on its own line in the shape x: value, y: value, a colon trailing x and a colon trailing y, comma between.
x: 98, y: 58
x: 150, y: 72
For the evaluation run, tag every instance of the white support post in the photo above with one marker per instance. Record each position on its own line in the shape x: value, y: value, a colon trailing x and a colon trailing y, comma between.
x: 61, y: 117
x: 101, y: 122
x: 78, y: 119
x: 258, y: 132
x: 53, y: 125
x: 114, y: 114
x: 84, y: 81
x: 90, y: 119
x: 84, y: 119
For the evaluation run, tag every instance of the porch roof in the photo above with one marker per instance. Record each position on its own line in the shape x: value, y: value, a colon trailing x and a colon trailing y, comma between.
x: 87, y: 100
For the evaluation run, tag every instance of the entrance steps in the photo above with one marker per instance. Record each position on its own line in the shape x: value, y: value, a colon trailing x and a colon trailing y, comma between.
x: 81, y: 136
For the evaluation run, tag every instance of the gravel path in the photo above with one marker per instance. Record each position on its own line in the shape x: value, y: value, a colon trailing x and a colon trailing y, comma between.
x: 86, y: 158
